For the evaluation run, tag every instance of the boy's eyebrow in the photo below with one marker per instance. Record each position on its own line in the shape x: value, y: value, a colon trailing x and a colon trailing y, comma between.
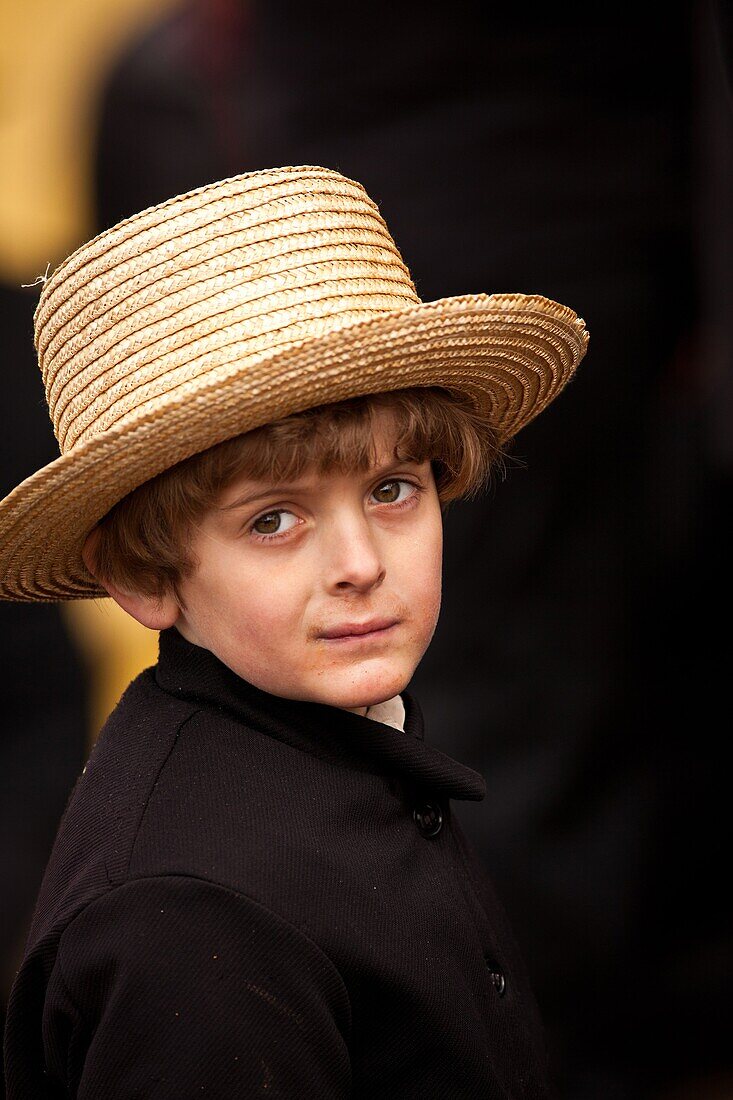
x: 249, y: 498
x: 280, y: 489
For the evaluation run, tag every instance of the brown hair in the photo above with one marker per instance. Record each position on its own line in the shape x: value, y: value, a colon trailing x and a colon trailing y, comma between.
x: 143, y: 543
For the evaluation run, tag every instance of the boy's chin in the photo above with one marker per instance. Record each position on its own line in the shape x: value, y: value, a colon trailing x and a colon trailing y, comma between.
x: 360, y: 692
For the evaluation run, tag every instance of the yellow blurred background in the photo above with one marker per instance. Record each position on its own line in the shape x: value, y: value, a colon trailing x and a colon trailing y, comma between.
x: 53, y: 59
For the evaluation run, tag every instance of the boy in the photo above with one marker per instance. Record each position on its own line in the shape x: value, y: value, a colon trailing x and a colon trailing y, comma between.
x: 259, y: 885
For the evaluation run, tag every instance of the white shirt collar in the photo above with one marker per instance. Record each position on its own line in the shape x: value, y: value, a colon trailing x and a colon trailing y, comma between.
x: 391, y: 712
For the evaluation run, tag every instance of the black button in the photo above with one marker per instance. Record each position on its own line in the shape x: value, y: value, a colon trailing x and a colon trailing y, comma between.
x: 497, y: 977
x: 428, y: 818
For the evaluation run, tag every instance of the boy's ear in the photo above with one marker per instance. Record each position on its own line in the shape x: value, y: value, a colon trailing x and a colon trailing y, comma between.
x: 155, y: 612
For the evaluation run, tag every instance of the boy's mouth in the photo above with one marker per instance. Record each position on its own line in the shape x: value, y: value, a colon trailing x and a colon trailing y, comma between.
x: 365, y: 631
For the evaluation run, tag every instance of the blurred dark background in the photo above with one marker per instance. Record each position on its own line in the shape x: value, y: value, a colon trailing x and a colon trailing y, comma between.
x: 43, y: 732
x: 585, y: 155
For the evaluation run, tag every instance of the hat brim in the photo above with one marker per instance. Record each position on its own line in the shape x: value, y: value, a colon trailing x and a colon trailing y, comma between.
x: 510, y: 354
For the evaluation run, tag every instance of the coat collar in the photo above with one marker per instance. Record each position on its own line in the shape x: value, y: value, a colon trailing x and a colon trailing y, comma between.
x: 190, y: 672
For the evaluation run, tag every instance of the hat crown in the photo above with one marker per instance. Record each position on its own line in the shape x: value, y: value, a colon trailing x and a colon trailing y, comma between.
x: 214, y: 280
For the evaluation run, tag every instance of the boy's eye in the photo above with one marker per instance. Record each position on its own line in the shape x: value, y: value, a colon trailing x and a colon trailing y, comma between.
x: 274, y: 523
x: 390, y: 492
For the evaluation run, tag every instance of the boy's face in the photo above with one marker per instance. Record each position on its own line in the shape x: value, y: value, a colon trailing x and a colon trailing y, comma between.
x: 326, y: 589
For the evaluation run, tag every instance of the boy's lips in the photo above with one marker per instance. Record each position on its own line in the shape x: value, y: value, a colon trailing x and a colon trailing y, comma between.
x: 368, y: 629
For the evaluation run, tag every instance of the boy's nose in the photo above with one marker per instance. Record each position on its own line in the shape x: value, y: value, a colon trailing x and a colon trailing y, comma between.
x: 354, y: 560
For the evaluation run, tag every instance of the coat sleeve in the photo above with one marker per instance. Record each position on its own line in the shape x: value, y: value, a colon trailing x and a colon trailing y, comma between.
x: 175, y: 987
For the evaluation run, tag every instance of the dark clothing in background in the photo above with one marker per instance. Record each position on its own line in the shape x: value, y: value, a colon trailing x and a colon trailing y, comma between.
x: 241, y: 899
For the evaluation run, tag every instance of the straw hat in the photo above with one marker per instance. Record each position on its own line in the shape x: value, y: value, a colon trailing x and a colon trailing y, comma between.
x: 231, y: 306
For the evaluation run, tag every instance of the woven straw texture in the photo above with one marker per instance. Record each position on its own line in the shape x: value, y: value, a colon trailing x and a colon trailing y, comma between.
x: 228, y: 307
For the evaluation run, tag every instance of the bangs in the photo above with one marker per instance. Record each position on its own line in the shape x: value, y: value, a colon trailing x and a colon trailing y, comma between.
x: 428, y: 425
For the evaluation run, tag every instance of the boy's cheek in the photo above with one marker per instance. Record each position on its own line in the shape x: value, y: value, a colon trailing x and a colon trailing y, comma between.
x: 430, y: 589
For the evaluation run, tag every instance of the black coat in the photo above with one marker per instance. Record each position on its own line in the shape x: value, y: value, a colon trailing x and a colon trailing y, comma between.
x: 250, y: 895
